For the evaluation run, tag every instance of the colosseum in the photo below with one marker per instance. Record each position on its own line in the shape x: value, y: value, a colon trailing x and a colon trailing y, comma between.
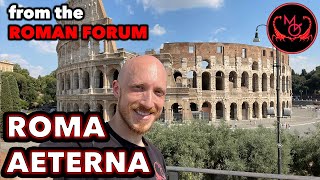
x: 207, y: 81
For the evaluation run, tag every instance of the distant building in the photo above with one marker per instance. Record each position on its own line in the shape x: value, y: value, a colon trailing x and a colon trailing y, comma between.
x: 6, y: 66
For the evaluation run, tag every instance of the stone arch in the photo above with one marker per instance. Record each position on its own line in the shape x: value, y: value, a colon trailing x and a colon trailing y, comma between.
x: 193, y: 106
x: 264, y: 82
x: 255, y: 85
x: 255, y: 110
x: 283, y: 84
x: 68, y: 82
x: 283, y: 106
x: 75, y: 81
x: 177, y: 112
x: 283, y: 69
x: 76, y: 107
x: 192, y: 79
x: 255, y: 65
x: 113, y: 75
x: 245, y: 111
x: 206, y: 79
x: 219, y: 110
x: 205, y: 64
x: 245, y: 79
x: 98, y: 76
x: 206, y: 110
x: 233, y: 79
x: 86, y: 108
x: 233, y: 111
x: 62, y: 82
x: 86, y: 80
x: 99, y: 109
x: 219, y: 80
x: 287, y: 84
x: 264, y: 110
x: 272, y: 81
x: 271, y: 104
x: 287, y: 105
x: 178, y: 78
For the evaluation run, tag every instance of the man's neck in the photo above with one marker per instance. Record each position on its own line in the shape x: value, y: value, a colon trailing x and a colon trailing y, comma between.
x: 121, y: 128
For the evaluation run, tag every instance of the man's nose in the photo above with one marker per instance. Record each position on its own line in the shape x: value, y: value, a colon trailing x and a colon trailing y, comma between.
x: 147, y: 100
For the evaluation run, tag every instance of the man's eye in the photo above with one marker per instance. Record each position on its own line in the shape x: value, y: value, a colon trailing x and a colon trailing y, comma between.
x: 159, y: 93
x: 138, y: 87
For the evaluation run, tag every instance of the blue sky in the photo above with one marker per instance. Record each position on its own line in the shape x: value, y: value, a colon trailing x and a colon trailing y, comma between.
x: 169, y: 21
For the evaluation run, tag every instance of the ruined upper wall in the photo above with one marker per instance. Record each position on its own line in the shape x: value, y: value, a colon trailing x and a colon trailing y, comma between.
x: 191, y: 50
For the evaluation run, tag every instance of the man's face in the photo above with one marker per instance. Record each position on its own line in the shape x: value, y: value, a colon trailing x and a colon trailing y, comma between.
x: 142, y: 97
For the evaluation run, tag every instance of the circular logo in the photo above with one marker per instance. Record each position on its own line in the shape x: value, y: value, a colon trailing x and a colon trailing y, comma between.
x: 292, y: 28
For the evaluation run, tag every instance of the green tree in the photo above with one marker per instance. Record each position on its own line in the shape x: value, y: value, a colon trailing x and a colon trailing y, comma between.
x: 14, y: 93
x: 6, y: 99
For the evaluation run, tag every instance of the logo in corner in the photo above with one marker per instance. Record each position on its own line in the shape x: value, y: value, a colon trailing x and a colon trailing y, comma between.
x: 292, y: 28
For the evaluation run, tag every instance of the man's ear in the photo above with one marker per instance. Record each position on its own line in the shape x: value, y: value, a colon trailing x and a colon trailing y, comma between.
x: 116, y: 88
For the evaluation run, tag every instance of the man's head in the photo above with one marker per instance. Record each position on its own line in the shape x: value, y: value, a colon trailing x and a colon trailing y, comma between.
x: 140, y: 89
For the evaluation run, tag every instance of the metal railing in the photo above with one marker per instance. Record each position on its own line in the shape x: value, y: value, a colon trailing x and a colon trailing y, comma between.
x: 173, y: 173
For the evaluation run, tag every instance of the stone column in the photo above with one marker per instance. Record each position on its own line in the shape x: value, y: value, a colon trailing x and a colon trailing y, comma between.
x: 91, y: 80
x: 80, y: 79
x: 105, y: 114
x: 239, y: 111
x: 250, y: 82
x: 227, y: 112
x: 105, y: 79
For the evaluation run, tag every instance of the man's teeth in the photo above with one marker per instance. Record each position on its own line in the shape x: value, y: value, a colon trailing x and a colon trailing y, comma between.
x: 143, y: 113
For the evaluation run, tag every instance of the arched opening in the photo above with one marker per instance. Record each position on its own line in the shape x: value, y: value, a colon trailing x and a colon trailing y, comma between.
x: 178, y: 78
x: 205, y: 64
x: 86, y: 108
x: 206, y: 81
x: 272, y: 81
x: 76, y: 107
x: 194, y: 110
x: 68, y: 82
x: 192, y: 79
x: 219, y: 80
x: 100, y: 109
x: 255, y: 65
x: 283, y: 84
x: 283, y: 106
x: 255, y: 110
x: 101, y: 47
x: 287, y: 84
x: 76, y: 81
x: 177, y: 112
x: 245, y: 111
x: 255, y: 85
x: 98, y: 76
x: 219, y: 110
x: 206, y: 111
x: 245, y: 80
x: 62, y: 83
x: 264, y: 110
x: 271, y: 104
x: 86, y: 80
x: 264, y: 82
x: 233, y: 111
x: 233, y: 79
x: 113, y: 75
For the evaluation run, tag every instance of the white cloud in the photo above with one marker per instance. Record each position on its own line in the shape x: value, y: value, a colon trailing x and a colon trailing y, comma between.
x: 158, y: 30
x: 298, y: 62
x: 44, y: 46
x: 130, y: 10
x: 2, y: 3
x: 172, y: 5
x: 219, y: 30
x: 34, y: 71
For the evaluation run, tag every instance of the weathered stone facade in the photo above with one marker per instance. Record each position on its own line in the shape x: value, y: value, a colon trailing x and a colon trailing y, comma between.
x: 6, y: 66
x: 210, y: 81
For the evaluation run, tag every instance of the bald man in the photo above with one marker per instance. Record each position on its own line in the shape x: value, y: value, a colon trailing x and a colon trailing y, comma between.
x: 140, y: 90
